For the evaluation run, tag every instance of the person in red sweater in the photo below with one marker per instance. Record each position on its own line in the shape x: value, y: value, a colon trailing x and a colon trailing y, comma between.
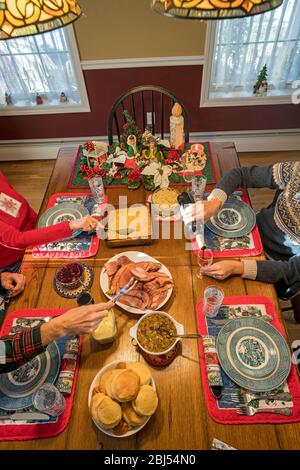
x: 17, y: 222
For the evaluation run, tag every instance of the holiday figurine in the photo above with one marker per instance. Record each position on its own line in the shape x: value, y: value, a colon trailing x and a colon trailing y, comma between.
x: 261, y: 86
x: 39, y: 99
x: 63, y: 98
x: 8, y: 99
x: 132, y: 152
x: 176, y: 127
x: 152, y: 153
x: 146, y: 137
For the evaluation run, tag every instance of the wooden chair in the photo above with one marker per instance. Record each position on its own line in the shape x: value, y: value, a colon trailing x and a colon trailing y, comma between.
x: 142, y: 100
x: 293, y: 295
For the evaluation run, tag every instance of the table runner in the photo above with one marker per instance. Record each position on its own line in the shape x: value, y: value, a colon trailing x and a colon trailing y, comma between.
x: 79, y: 181
x: 224, y: 411
x: 31, y: 430
x: 249, y: 245
x: 84, y: 246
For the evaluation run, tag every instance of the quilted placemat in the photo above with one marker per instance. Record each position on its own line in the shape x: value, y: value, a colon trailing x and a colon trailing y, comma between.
x: 70, y: 349
x: 224, y: 410
x: 249, y: 245
x: 83, y: 246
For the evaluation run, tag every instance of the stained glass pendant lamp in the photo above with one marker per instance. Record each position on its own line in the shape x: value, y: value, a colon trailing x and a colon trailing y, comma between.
x: 213, y: 9
x: 27, y: 17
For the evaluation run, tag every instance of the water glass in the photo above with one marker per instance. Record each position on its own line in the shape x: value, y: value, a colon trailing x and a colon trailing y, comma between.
x: 97, y: 189
x: 213, y: 298
x: 47, y: 399
x: 198, y: 187
x: 205, y: 258
x: 188, y: 177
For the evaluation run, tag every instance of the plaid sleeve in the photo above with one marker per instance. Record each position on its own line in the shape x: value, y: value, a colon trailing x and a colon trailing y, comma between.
x: 20, y: 348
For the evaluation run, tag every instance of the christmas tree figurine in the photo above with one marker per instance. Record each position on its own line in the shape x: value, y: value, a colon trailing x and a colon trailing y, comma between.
x: 130, y: 129
x: 261, y: 86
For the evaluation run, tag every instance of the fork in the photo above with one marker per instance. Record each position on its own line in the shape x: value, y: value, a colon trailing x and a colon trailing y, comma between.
x: 251, y: 411
x: 246, y: 398
x: 124, y: 290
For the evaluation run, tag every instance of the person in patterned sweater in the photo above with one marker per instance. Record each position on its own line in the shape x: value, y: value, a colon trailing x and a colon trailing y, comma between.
x: 279, y: 224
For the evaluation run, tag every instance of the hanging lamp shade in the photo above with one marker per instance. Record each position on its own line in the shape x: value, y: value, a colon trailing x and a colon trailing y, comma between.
x: 27, y: 17
x: 213, y: 9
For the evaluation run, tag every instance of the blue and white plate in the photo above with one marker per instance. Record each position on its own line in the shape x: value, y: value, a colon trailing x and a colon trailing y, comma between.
x: 234, y: 220
x: 253, y: 354
x: 65, y: 212
x: 18, y: 387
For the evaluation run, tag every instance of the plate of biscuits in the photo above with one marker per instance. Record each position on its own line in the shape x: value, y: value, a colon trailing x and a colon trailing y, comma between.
x: 122, y: 398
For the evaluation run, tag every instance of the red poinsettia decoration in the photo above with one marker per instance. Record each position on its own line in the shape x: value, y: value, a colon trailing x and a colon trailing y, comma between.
x: 173, y: 157
x: 134, y: 175
x: 89, y: 145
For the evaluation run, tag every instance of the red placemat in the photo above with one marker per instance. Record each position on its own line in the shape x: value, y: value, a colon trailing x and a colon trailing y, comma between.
x: 255, y: 250
x: 229, y: 415
x: 78, y: 181
x: 12, y: 432
x: 94, y: 245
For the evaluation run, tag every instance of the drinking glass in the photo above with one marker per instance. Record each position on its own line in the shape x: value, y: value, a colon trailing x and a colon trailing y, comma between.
x: 47, y: 399
x: 188, y: 177
x: 213, y: 298
x: 204, y: 258
x: 97, y: 189
x: 198, y: 187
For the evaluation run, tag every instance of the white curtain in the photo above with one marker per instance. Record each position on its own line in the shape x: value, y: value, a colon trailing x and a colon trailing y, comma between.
x: 244, y: 46
x: 40, y: 63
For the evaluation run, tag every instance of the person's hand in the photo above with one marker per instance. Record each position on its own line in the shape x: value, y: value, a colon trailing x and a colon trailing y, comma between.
x: 223, y: 269
x: 205, y: 209
x: 87, y: 223
x: 14, y: 283
x: 77, y: 321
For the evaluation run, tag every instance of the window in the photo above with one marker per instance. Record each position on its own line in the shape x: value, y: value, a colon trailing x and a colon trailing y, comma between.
x: 236, y: 51
x: 47, y: 64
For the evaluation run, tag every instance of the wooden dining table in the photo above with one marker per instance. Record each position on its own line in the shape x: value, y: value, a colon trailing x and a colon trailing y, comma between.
x: 181, y: 420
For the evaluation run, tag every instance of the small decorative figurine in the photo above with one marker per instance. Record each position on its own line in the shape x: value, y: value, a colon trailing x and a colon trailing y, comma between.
x: 39, y: 99
x: 261, y: 86
x: 63, y: 98
x: 176, y: 127
x: 8, y: 99
x: 132, y: 148
x: 152, y: 153
x: 146, y: 137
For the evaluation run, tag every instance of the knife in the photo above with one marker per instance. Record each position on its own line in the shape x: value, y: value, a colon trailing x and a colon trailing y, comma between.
x: 25, y: 416
x: 223, y: 321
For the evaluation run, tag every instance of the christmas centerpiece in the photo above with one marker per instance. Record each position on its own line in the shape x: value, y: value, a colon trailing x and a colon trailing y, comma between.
x: 139, y: 159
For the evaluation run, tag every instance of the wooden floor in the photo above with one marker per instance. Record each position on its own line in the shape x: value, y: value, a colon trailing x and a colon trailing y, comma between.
x: 31, y: 178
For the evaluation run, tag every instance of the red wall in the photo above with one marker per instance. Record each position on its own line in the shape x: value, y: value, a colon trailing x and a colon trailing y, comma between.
x: 104, y: 86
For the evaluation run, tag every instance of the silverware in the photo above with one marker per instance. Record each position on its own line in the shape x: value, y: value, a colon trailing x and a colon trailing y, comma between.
x: 224, y: 321
x: 25, y: 416
x: 251, y: 411
x: 189, y: 336
x: 129, y: 286
x: 245, y: 397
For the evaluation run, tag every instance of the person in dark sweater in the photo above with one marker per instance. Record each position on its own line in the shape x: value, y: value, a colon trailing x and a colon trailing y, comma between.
x: 279, y: 224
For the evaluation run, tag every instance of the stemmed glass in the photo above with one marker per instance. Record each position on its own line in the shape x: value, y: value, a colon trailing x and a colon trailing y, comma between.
x: 204, y: 259
x: 188, y: 177
x: 198, y: 187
